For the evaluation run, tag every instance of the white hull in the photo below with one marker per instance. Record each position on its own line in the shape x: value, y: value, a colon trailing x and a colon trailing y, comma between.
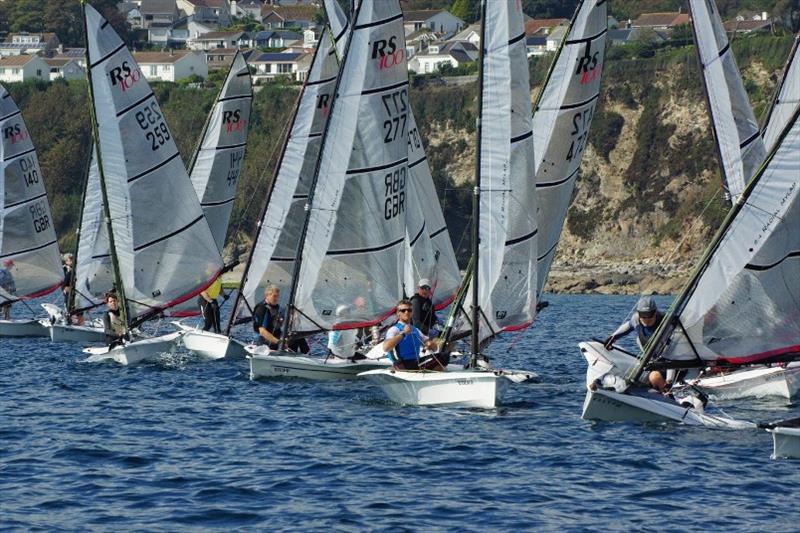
x: 73, y: 333
x: 211, y: 345
x: 786, y: 442
x: 480, y: 389
x: 268, y: 365
x: 136, y: 351
x: 23, y: 328
x: 758, y: 382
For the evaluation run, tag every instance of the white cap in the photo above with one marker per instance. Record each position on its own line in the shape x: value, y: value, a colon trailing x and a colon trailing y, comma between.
x: 424, y: 282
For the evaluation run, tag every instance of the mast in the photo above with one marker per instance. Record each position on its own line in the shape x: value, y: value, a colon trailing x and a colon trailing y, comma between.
x: 106, y: 210
x: 313, y: 185
x: 708, y: 106
x: 476, y: 197
x: 659, y: 338
x: 287, y: 136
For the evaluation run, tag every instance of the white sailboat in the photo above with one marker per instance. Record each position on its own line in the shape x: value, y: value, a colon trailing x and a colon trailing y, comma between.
x: 739, y: 308
x: 30, y: 264
x: 355, y: 253
x: 502, y: 281
x: 157, y: 261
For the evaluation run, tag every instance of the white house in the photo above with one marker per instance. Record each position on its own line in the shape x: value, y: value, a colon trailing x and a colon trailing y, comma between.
x: 247, y: 8
x: 271, y: 65
x: 66, y: 68
x: 171, y: 66
x: 159, y: 12
x: 29, y: 43
x: 23, y: 68
x: 437, y: 20
x: 212, y: 11
x: 471, y: 33
x: 215, y: 39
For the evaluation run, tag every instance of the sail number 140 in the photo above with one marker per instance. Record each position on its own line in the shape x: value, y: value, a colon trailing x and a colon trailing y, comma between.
x: 155, y: 128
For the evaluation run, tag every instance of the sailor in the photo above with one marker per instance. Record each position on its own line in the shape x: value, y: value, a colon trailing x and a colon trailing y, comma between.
x: 268, y: 321
x: 404, y: 343
x: 209, y: 307
x: 342, y: 343
x: 66, y: 287
x: 424, y: 314
x: 8, y: 285
x: 113, y: 324
x: 644, y: 322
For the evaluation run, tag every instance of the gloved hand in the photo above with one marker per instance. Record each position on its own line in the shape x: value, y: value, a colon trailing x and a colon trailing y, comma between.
x: 609, y: 342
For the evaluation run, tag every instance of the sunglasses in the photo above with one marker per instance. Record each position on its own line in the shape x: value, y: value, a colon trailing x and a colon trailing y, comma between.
x: 647, y: 315
x: 404, y: 310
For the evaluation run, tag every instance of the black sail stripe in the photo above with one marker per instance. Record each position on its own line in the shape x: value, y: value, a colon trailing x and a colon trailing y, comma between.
x: 342, y: 33
x: 230, y: 146
x: 314, y: 135
x: 559, y: 182
x: 418, y: 235
x: 243, y: 73
x: 524, y: 238
x: 7, y: 95
x: 43, y: 195
x: 167, y: 236
x: 749, y: 140
x: 282, y: 259
x: 353, y: 251
x: 522, y: 137
x: 111, y: 53
x: 300, y: 197
x: 417, y: 162
x: 724, y: 49
x: 26, y: 152
x: 385, y: 88
x: 516, y: 39
x: 148, y: 171
x: 376, y: 168
x: 588, y: 39
x: 101, y: 256
x: 761, y: 268
x: 28, y: 250
x: 14, y: 114
x: 438, y: 231
x: 239, y: 97
x: 137, y: 103
x: 320, y: 82
x: 548, y: 252
x: 571, y: 106
x: 378, y: 22
x: 213, y: 204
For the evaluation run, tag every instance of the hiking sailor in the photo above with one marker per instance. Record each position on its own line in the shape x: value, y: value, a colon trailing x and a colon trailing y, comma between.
x: 209, y: 307
x: 644, y: 322
x: 404, y: 343
x: 112, y: 322
x: 268, y: 321
x: 8, y: 286
x: 423, y: 313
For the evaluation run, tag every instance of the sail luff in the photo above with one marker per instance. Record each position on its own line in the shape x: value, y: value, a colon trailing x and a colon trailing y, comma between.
x: 785, y: 99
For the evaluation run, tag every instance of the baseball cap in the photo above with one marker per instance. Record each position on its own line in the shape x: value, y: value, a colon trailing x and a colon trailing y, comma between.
x: 424, y: 282
x: 646, y: 306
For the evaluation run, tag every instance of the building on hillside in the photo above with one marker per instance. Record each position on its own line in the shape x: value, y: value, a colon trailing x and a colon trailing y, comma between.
x: 20, y: 68
x: 25, y: 43
x: 625, y: 36
x: 172, y: 65
x: 663, y: 23
x: 197, y: 29
x: 247, y: 8
x: 419, y: 41
x: 270, y: 65
x: 543, y: 27
x: 159, y: 12
x: 554, y: 38
x: 471, y: 33
x: 217, y: 39
x: 277, y: 17
x: 748, y: 26
x: 438, y: 20
x: 76, y: 54
x: 221, y: 58
x: 274, y: 39
x: 536, y: 46
x: 66, y: 68
x: 214, y: 12
x: 454, y: 53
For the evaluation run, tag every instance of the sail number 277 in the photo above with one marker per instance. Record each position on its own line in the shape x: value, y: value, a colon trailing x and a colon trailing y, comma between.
x: 155, y: 128
x: 580, y: 132
x: 396, y: 105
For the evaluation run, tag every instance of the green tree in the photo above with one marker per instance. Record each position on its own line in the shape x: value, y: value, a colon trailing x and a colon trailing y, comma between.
x: 460, y: 9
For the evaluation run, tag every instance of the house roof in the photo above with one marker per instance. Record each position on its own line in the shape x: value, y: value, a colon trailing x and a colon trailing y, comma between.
x: 285, y: 34
x: 421, y: 34
x: 15, y: 61
x: 216, y: 3
x: 655, y: 19
x: 158, y: 6
x: 271, y: 57
x: 217, y: 35
x: 58, y: 61
x: 460, y: 56
x: 160, y: 57
x: 620, y: 34
x: 534, y: 25
x: 290, y: 12
x: 74, y: 53
x: 420, y: 15
x: 682, y: 18
x: 746, y: 25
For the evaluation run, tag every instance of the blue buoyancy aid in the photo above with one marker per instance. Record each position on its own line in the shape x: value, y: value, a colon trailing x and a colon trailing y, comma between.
x: 411, y: 345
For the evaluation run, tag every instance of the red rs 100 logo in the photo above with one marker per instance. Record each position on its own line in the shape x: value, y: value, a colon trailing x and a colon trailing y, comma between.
x: 588, y: 67
x: 387, y: 53
x: 124, y: 77
x: 15, y: 133
x: 233, y: 120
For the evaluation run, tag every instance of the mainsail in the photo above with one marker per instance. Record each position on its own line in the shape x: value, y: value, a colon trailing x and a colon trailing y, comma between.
x: 357, y: 253
x: 506, y: 267
x: 742, y: 304
x: 275, y: 244
x: 162, y: 248
x: 787, y: 98
x: 561, y: 121
x: 29, y: 256
x: 219, y: 158
x: 741, y: 149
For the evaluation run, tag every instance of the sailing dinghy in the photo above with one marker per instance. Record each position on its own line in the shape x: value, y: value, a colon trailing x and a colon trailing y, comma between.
x: 739, y: 308
x: 30, y: 263
x: 157, y: 261
x: 502, y: 280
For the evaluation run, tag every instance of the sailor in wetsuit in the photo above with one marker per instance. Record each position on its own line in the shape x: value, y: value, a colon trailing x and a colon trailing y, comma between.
x: 112, y: 322
x: 644, y: 322
x: 404, y: 342
x: 268, y: 321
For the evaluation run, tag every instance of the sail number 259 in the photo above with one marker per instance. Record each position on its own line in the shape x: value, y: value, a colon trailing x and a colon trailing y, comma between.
x: 396, y: 105
x: 156, y: 131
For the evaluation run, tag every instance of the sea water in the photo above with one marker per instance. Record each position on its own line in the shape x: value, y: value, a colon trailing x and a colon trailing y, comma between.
x: 183, y: 443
